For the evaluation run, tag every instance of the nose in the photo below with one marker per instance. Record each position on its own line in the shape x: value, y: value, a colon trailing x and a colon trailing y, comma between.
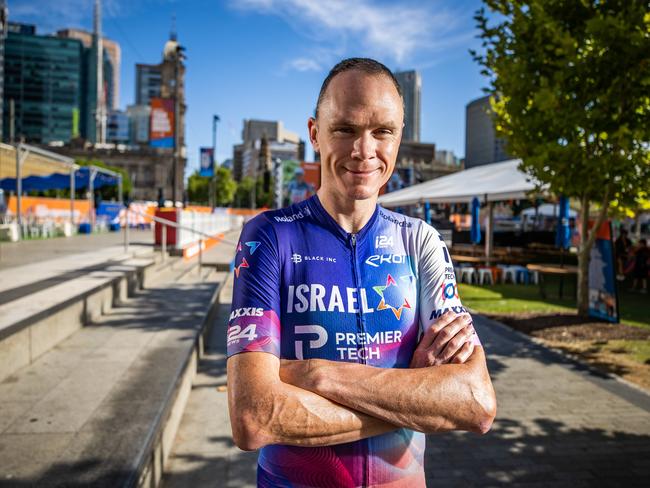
x: 365, y: 146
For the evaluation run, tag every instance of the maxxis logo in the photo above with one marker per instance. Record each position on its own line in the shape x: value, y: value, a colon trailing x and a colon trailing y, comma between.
x: 315, y: 343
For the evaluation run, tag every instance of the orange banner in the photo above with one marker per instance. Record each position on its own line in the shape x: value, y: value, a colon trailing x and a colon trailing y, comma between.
x: 57, y: 209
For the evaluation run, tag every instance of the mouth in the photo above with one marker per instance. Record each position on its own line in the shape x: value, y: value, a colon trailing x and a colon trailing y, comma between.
x: 366, y: 172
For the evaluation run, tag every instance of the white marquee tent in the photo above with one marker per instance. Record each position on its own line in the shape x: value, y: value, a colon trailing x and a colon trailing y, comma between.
x: 490, y: 182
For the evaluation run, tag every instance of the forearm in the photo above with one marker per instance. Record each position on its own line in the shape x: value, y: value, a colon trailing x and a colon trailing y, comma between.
x: 433, y: 399
x: 280, y: 413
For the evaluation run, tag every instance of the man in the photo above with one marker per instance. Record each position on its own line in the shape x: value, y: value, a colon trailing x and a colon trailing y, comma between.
x: 299, y: 189
x: 622, y: 247
x: 347, y: 340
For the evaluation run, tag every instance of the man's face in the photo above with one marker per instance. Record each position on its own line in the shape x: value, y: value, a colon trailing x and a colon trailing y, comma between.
x: 357, y: 134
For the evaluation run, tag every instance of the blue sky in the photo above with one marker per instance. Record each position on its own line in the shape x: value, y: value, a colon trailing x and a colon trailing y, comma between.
x: 266, y: 59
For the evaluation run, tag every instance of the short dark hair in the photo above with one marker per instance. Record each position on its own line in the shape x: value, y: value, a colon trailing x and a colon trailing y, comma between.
x: 365, y: 65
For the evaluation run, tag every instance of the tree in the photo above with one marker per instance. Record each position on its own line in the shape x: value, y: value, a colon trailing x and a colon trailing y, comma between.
x: 225, y: 187
x: 570, y: 91
x: 197, y: 188
x: 109, y: 191
x: 244, y: 192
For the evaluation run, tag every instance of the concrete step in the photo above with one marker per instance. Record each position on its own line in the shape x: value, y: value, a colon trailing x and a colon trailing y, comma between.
x: 203, y: 451
x: 102, y: 407
x: 33, y: 324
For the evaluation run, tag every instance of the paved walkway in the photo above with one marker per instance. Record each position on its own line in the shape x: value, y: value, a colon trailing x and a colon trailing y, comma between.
x: 33, y: 251
x: 558, y: 424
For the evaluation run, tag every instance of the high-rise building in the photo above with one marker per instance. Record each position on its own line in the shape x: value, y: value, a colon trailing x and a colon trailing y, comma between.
x: 411, y: 85
x: 264, y: 140
x: 482, y: 146
x: 117, y: 128
x: 114, y: 53
x: 139, y: 116
x: 43, y: 77
x: 148, y: 82
x: 3, y: 34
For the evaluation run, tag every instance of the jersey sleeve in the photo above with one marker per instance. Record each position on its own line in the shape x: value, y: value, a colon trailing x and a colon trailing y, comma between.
x: 254, y: 322
x: 438, y: 288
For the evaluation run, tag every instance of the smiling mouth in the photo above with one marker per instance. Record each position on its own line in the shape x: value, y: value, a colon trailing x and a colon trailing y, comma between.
x: 362, y: 173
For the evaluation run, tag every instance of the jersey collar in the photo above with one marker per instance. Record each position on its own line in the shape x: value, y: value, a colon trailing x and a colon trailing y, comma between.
x: 328, y: 221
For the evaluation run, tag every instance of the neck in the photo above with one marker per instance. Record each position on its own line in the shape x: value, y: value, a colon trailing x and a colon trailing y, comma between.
x: 351, y: 215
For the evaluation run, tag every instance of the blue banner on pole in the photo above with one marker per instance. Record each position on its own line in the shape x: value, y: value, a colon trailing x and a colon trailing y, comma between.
x: 603, y: 292
x: 207, y: 162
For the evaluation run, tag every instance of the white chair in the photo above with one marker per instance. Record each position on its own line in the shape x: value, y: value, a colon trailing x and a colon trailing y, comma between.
x: 510, y: 271
x: 484, y: 275
x: 534, y: 277
x: 468, y: 272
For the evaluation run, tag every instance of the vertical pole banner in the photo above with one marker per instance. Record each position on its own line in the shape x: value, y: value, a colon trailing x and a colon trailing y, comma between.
x: 206, y: 158
x: 161, y: 124
x: 603, y: 293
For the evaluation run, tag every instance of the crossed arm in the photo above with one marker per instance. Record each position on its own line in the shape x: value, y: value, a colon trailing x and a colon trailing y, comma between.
x: 319, y: 402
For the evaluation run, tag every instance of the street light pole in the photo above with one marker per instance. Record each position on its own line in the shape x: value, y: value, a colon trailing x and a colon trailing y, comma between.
x: 213, y: 180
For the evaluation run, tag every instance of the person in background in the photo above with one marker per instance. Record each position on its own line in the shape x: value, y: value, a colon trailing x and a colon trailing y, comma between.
x: 641, y: 259
x: 622, y: 247
x: 299, y: 189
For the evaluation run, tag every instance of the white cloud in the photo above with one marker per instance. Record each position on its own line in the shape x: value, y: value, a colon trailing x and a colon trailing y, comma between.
x: 304, y: 64
x: 387, y: 31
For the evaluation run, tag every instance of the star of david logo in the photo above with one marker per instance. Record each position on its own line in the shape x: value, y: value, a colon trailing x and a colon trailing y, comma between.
x: 390, y: 281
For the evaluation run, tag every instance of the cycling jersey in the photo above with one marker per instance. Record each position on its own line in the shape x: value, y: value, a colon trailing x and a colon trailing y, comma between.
x: 305, y: 288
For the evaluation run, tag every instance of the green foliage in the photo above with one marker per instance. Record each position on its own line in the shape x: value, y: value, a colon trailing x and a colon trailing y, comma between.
x: 570, y: 87
x: 244, y: 193
x: 109, y: 192
x: 264, y: 199
x: 289, y: 167
x: 570, y: 83
x: 225, y: 187
x: 197, y: 188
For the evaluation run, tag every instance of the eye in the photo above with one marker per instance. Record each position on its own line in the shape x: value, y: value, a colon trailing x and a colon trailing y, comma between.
x: 384, y: 132
x: 343, y: 130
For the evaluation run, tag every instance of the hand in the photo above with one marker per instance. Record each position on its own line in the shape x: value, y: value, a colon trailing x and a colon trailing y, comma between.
x: 447, y: 340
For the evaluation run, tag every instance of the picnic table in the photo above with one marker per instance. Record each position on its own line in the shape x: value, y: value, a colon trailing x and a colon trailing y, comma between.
x: 552, y: 269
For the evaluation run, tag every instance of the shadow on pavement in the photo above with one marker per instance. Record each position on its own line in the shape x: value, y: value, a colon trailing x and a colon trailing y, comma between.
x: 544, y: 453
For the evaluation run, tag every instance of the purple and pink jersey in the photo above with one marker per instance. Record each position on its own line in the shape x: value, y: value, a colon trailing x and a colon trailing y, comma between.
x: 305, y: 288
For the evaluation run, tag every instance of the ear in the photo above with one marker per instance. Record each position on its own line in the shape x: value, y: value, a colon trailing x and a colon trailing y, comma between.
x: 312, y: 125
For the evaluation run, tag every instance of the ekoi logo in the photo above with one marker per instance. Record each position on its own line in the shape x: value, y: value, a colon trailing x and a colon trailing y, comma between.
x: 311, y: 330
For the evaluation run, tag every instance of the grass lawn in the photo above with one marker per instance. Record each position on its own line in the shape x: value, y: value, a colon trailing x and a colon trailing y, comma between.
x: 509, y: 298
x: 626, y: 356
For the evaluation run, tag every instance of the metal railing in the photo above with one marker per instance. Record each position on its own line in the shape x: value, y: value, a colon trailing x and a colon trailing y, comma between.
x: 169, y: 223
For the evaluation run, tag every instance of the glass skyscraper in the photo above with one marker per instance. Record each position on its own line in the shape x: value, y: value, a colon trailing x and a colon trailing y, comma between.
x: 43, y: 77
x: 411, y: 85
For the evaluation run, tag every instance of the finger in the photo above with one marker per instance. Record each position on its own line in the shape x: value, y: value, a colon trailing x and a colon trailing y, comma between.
x: 455, y: 344
x: 448, y: 333
x: 432, y: 331
x: 463, y: 355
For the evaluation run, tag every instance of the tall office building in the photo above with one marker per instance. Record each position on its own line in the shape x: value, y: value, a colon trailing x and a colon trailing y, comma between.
x: 43, y: 77
x: 411, y: 85
x: 148, y: 82
x: 482, y: 146
x: 112, y: 51
x: 262, y: 137
x: 3, y: 33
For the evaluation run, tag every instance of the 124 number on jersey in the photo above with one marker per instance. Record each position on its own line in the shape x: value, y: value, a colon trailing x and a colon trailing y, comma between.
x: 235, y: 333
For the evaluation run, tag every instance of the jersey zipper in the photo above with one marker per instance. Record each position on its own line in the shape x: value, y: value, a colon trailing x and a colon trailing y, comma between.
x: 357, y: 284
x: 361, y: 328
